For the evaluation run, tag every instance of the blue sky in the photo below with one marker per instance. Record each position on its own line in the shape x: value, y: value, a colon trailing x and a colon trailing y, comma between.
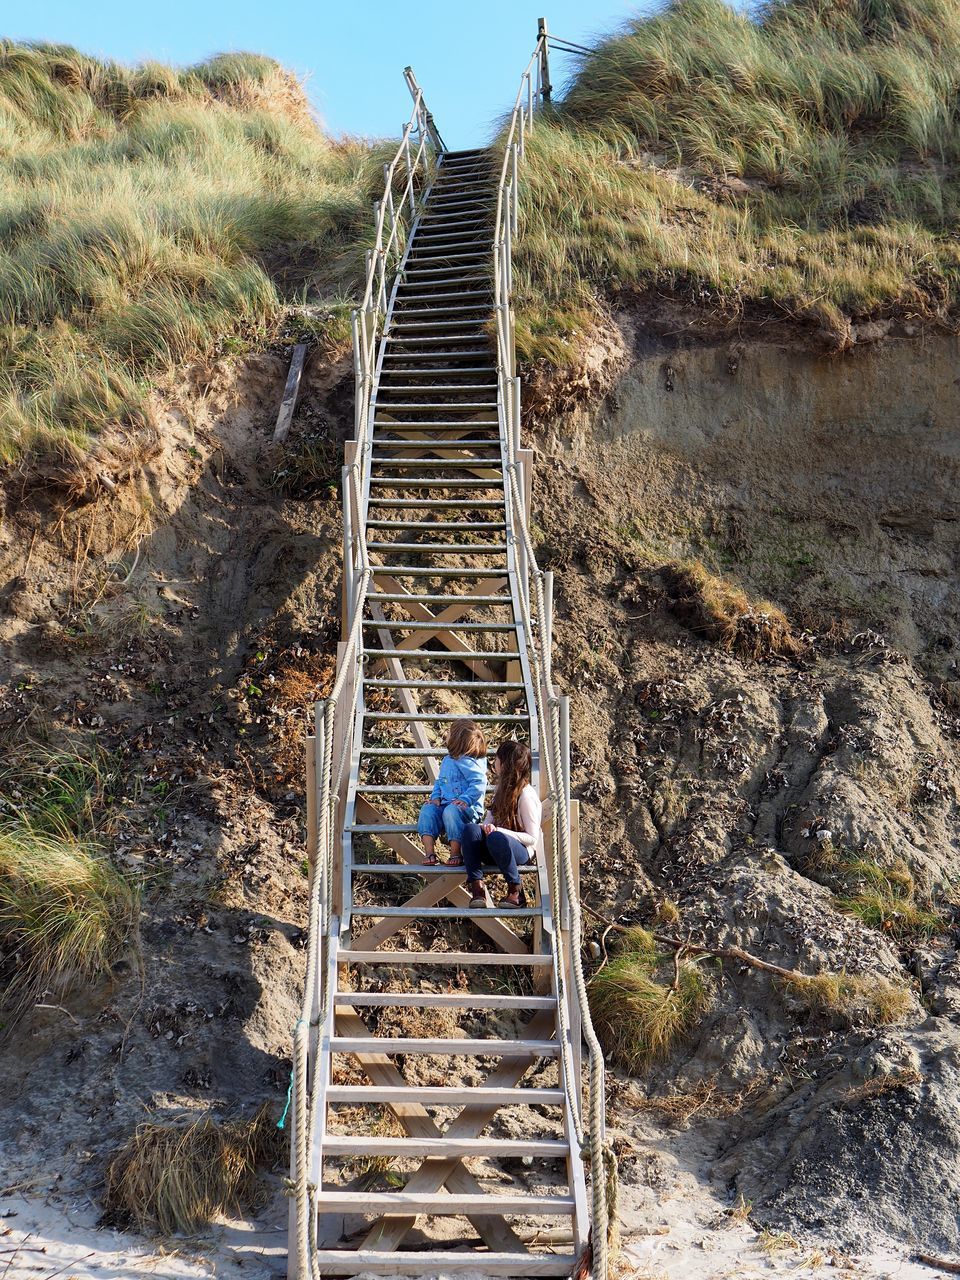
x: 468, y: 58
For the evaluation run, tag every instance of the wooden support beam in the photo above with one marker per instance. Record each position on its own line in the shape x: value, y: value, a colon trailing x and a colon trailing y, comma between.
x: 420, y: 613
x: 289, y: 401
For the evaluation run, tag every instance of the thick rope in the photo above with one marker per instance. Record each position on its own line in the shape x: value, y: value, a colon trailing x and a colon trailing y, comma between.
x: 592, y: 1136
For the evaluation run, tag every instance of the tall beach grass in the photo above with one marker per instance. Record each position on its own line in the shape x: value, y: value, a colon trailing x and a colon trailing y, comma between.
x: 151, y: 216
x: 801, y: 160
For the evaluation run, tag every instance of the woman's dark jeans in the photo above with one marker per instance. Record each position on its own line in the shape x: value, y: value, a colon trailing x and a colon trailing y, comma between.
x: 503, y: 851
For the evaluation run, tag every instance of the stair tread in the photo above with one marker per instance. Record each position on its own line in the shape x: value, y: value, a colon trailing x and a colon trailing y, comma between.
x: 453, y: 1000
x: 525, y: 958
x: 446, y: 913
x: 357, y: 1144
x: 353, y: 1201
x: 427, y: 1262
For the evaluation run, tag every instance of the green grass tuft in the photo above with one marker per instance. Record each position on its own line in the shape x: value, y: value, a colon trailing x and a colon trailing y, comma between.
x: 641, y: 1006
x: 65, y: 915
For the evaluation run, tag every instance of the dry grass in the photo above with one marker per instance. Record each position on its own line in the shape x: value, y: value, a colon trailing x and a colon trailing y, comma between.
x: 878, y: 1086
x: 799, y: 160
x: 176, y: 1178
x: 722, y: 612
x: 854, y: 1000
x: 643, y: 1003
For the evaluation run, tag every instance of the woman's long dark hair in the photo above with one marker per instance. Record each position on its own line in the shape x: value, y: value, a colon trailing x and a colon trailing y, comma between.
x: 515, y: 763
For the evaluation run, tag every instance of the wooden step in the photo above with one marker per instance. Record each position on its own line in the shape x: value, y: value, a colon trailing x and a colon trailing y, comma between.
x: 527, y: 959
x: 446, y: 1000
x: 418, y: 869
x: 355, y: 1262
x: 470, y: 686
x: 437, y: 655
x: 445, y: 913
x: 342, y: 1144
x: 380, y: 1202
x: 445, y: 717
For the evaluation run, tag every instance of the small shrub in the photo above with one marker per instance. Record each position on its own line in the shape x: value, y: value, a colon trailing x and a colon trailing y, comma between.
x: 722, y: 612
x: 854, y: 1000
x: 642, y: 1005
x: 176, y: 1178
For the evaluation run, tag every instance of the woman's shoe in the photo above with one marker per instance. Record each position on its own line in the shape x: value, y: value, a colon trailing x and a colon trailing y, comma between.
x: 478, y: 893
x: 513, y: 899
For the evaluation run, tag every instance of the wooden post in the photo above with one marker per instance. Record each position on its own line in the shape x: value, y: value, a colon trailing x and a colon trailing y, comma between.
x: 312, y: 833
x: 546, y: 88
x: 289, y: 401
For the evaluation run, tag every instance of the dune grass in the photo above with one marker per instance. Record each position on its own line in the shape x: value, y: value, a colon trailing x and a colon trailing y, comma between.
x: 643, y: 1005
x: 801, y: 161
x: 65, y: 915
x: 66, y: 912
x: 719, y: 610
x: 149, y: 217
x: 176, y: 1178
x: 853, y: 999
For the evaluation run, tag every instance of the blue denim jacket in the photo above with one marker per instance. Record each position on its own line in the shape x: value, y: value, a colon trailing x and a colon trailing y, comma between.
x: 463, y: 779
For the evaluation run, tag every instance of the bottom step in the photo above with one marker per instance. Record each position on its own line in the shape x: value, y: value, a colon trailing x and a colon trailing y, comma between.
x: 443, y: 1205
x: 347, y: 1262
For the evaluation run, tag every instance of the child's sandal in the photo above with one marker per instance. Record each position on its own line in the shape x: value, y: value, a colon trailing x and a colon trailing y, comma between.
x: 431, y: 860
x: 455, y: 860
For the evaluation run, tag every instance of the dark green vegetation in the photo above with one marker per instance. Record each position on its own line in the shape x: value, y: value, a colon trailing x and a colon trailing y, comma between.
x: 149, y: 217
x: 802, y: 164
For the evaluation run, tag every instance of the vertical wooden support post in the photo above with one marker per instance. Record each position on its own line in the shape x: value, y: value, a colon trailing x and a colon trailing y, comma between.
x: 409, y: 163
x: 312, y: 833
x: 515, y: 394
x: 546, y: 88
x: 513, y: 186
x: 546, y: 627
x: 508, y: 243
x: 347, y: 592
x: 564, y: 764
x: 525, y: 460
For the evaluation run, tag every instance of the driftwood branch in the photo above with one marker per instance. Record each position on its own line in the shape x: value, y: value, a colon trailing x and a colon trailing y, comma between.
x: 941, y: 1263
x: 722, y: 953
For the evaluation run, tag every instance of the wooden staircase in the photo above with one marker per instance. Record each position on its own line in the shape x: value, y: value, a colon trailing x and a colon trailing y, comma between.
x: 437, y: 1081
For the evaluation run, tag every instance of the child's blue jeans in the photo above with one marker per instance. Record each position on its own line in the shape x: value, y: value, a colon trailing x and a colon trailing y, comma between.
x: 448, y: 820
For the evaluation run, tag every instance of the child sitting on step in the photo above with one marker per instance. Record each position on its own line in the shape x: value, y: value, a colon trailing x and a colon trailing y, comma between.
x: 458, y: 793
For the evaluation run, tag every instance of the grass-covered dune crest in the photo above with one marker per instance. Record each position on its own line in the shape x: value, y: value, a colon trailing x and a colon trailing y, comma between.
x: 149, y: 217
x: 802, y: 160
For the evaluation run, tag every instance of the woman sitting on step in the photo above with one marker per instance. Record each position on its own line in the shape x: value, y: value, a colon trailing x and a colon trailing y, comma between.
x: 509, y: 835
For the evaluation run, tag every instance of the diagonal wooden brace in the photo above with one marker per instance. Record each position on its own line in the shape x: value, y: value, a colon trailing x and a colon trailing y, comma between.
x: 436, y: 1172
x: 418, y: 1124
x: 504, y: 937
